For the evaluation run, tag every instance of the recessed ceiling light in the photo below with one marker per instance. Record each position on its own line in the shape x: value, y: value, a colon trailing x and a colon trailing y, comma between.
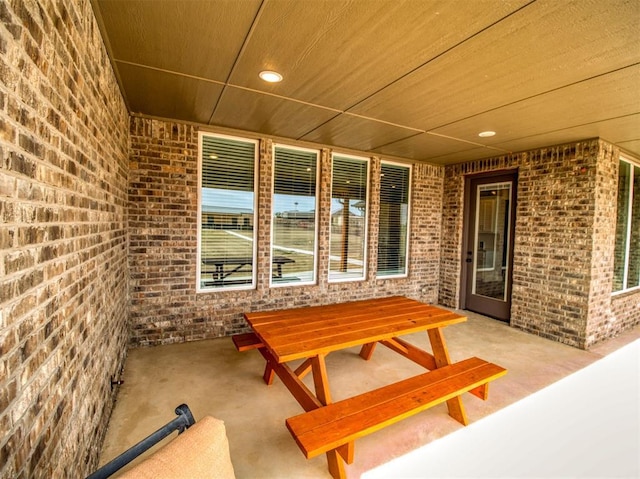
x: 486, y: 134
x: 270, y: 76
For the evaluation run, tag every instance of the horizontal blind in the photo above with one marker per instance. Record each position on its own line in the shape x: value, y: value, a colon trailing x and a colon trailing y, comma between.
x: 295, y: 171
x: 227, y: 164
x: 293, y: 247
x: 349, y: 178
x: 394, y: 183
x: 227, y: 216
x: 349, y: 183
x: 393, y: 220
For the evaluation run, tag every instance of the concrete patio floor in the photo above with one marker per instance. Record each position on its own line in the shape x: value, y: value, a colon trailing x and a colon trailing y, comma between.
x: 214, y: 379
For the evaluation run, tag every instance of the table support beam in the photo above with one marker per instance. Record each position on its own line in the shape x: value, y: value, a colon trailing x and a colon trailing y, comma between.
x: 298, y: 389
x: 441, y: 356
x: 302, y: 370
x: 411, y: 352
x: 320, y: 378
x: 404, y: 348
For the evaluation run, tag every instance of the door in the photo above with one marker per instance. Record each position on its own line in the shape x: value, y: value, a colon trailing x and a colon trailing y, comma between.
x: 488, y: 253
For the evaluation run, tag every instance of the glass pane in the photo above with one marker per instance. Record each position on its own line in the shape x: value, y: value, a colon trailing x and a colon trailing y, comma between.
x: 227, y: 213
x: 393, y: 220
x: 492, y: 240
x: 294, y: 216
x: 620, y: 261
x: 348, y: 218
x: 633, y: 277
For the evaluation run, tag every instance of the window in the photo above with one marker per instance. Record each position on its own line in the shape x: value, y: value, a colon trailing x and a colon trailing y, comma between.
x: 347, y: 252
x: 293, y: 226
x: 627, y: 242
x: 394, y: 220
x: 226, y: 236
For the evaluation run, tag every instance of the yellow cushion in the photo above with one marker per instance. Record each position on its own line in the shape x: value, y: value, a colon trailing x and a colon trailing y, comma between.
x: 202, y: 451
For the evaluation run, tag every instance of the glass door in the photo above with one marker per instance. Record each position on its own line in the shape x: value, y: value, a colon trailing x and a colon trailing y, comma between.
x: 489, y: 255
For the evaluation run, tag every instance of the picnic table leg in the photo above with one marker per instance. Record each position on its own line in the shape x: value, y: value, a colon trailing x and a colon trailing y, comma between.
x: 320, y: 379
x: 367, y: 351
x: 269, y: 373
x: 336, y: 465
x: 441, y: 356
x: 298, y: 389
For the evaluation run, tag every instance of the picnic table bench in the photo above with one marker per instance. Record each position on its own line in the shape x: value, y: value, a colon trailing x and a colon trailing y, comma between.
x: 339, y: 424
x: 246, y: 341
x: 311, y: 333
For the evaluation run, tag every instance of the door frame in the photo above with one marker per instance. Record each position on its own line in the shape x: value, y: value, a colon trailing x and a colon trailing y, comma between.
x: 489, y: 175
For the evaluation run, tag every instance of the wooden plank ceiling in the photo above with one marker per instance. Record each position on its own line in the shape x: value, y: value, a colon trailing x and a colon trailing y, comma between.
x: 416, y: 79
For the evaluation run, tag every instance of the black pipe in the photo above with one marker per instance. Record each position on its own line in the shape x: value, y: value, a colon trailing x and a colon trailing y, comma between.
x: 183, y: 421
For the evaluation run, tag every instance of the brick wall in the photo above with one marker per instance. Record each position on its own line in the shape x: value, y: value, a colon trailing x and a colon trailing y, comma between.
x: 64, y: 280
x: 563, y: 252
x: 163, y: 239
x: 608, y: 315
x: 554, y: 241
x: 625, y: 313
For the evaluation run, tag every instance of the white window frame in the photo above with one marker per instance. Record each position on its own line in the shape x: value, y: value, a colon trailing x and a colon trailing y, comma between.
x: 409, y: 208
x: 365, y: 246
x: 252, y: 285
x: 625, y: 276
x: 316, y: 222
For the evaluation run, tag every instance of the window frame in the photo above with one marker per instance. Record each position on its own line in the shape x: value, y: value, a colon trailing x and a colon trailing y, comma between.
x: 405, y: 274
x: 314, y: 281
x: 365, y: 246
x: 627, y: 241
x: 256, y: 162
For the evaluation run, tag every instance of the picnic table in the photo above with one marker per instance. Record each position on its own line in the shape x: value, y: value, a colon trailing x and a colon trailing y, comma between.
x: 311, y: 333
x: 226, y: 266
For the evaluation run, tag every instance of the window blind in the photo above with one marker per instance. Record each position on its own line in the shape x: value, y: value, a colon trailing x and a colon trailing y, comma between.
x: 349, y: 188
x: 227, y: 214
x: 294, y: 236
x: 393, y: 220
x: 228, y: 164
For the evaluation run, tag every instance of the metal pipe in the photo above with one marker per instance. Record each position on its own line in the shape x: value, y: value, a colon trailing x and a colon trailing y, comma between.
x: 183, y: 421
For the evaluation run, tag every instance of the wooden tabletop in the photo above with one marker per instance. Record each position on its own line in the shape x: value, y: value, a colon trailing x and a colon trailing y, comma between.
x: 303, y: 332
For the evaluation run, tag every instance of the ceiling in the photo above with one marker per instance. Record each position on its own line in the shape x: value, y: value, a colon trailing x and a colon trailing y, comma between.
x: 415, y: 79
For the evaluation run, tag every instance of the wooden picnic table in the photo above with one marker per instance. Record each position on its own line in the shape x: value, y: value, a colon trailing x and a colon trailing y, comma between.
x: 311, y: 333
